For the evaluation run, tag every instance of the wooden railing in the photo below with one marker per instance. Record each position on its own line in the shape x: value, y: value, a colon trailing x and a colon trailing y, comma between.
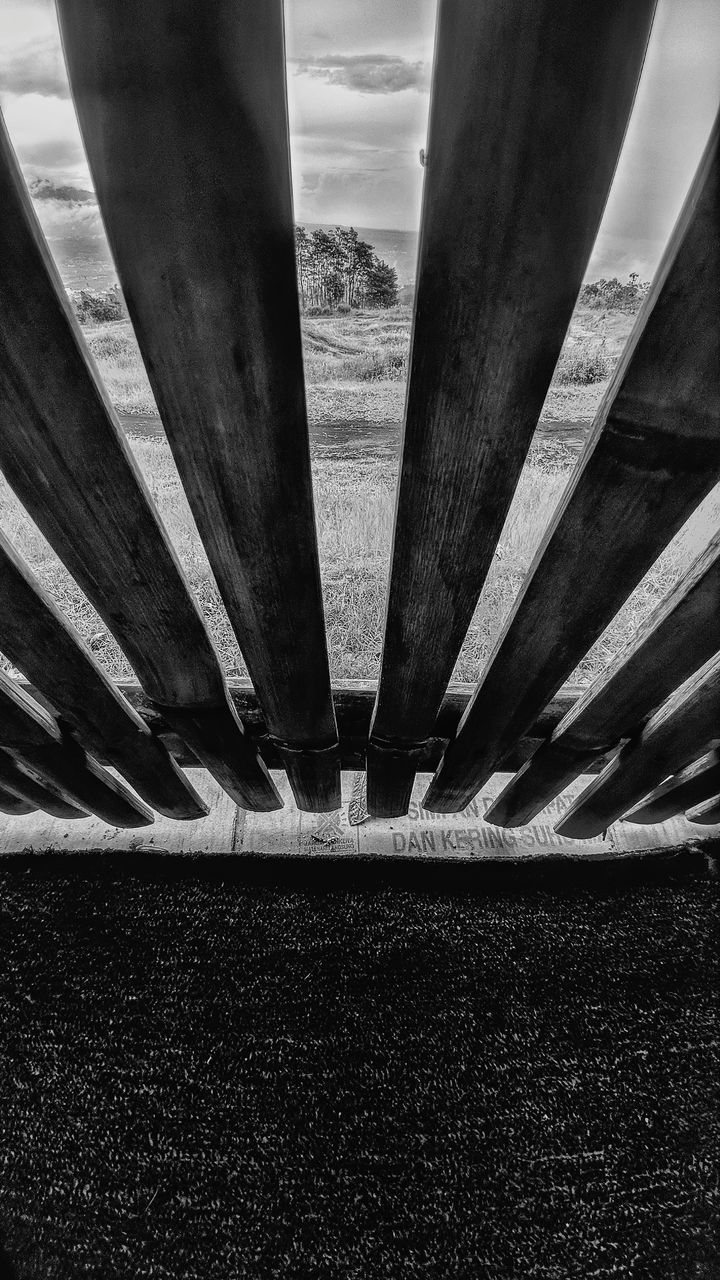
x: 182, y: 109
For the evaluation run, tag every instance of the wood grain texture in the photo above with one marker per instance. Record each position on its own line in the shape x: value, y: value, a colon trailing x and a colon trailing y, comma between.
x: 653, y: 454
x: 529, y: 108
x: 64, y: 453
x: 681, y: 634
x: 700, y: 781
x: 43, y: 645
x: 687, y: 726
x: 38, y: 747
x: 200, y: 223
x: 25, y: 788
x: 543, y: 776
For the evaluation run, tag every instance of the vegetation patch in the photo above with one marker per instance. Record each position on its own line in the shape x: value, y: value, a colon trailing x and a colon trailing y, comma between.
x: 336, y: 269
x: 356, y: 364
x: 616, y: 295
x: 98, y: 306
x: 582, y: 363
x: 354, y: 505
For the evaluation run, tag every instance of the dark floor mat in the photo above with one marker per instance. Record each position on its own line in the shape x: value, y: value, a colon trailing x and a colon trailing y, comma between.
x: 207, y: 1081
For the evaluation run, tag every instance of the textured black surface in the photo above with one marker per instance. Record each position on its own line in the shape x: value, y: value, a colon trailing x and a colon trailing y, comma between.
x: 212, y: 1080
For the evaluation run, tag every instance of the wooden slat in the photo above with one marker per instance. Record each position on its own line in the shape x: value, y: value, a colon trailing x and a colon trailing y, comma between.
x: 681, y: 634
x: 653, y: 455
x: 700, y: 781
x: 25, y: 788
x: 34, y: 740
x: 529, y: 108
x: 354, y: 701
x: 683, y: 729
x: 40, y: 642
x: 14, y: 806
x: 706, y: 814
x: 200, y: 223
x: 65, y: 455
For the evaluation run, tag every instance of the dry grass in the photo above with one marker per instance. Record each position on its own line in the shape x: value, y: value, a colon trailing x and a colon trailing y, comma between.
x: 116, y: 354
x: 364, y: 348
x: 359, y: 357
x: 354, y: 510
x: 355, y: 503
x: 583, y: 362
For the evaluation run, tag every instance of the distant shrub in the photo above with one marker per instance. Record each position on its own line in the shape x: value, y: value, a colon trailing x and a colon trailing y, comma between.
x: 387, y: 363
x: 582, y: 362
x: 343, y: 308
x: 317, y: 310
x: 613, y: 295
x: 551, y: 457
x: 93, y: 306
x: 112, y: 346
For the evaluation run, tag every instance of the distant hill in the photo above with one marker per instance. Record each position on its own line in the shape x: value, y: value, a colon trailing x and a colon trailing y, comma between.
x: 72, y: 224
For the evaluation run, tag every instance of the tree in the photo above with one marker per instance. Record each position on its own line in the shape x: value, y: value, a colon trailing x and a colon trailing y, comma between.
x: 337, y: 266
x: 381, y: 286
x: 302, y: 257
x: 613, y: 295
x: 98, y: 306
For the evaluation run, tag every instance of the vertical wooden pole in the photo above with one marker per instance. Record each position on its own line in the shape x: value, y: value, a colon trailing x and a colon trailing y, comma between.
x: 653, y: 454
x: 529, y: 107
x: 64, y: 453
x: 200, y: 223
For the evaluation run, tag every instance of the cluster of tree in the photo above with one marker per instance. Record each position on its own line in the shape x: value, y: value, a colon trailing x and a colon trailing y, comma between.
x: 97, y: 306
x: 615, y: 296
x: 336, y: 268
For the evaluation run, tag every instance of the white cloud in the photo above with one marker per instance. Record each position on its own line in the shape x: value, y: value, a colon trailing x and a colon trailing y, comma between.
x: 36, y: 67
x: 360, y: 153
x: 677, y: 100
x: 367, y: 72
x: 358, y: 120
x: 45, y: 135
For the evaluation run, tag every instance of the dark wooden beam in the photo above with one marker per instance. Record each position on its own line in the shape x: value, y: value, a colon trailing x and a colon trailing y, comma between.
x: 65, y: 455
x: 682, y: 730
x: 700, y: 781
x: 12, y: 804
x: 653, y: 455
x: 529, y: 108
x: 707, y: 813
x: 200, y: 223
x: 25, y: 788
x: 34, y: 740
x: 681, y: 634
x: 40, y: 642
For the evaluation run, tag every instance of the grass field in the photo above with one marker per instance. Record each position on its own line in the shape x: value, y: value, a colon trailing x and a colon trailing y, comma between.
x: 356, y: 367
x: 354, y: 510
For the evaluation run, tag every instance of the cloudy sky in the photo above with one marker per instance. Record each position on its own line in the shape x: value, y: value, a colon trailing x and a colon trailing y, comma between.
x: 358, y: 78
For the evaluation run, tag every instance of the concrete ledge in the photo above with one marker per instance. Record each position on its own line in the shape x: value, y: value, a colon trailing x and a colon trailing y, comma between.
x: 344, y: 837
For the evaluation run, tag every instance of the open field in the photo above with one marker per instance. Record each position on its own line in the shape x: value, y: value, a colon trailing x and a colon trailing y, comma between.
x: 354, y: 510
x: 356, y: 365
